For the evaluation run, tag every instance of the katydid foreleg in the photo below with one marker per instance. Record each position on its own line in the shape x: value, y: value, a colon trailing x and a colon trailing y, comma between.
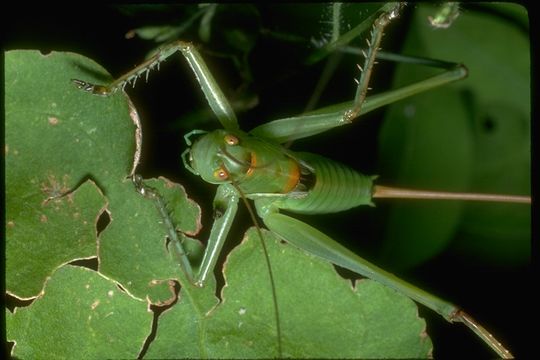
x: 215, y: 97
x: 225, y: 207
x: 176, y: 239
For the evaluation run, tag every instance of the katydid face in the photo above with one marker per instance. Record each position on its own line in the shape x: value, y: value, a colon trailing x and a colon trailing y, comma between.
x: 255, y: 165
x: 217, y: 156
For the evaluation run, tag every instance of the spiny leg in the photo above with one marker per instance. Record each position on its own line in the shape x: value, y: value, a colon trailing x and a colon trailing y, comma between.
x: 215, y: 97
x: 177, y: 248
x: 377, y: 33
x: 481, y: 332
x: 321, y: 120
x: 131, y: 76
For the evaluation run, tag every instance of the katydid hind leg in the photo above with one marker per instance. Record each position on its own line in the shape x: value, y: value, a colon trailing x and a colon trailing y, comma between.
x: 315, y: 242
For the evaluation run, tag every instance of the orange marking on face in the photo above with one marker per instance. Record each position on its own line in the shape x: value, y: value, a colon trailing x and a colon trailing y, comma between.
x: 252, y: 164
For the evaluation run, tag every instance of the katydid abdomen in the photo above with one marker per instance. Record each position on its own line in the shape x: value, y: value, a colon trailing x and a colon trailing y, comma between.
x: 336, y: 188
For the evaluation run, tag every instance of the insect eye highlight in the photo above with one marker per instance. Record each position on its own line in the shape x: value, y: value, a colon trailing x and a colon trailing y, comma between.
x: 231, y: 140
x: 221, y: 174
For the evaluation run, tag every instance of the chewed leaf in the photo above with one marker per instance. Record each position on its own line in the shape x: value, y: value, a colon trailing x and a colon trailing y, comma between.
x: 55, y: 143
x: 66, y: 150
x: 133, y: 249
x: 321, y: 314
x: 45, y: 234
x: 184, y: 212
x: 81, y: 314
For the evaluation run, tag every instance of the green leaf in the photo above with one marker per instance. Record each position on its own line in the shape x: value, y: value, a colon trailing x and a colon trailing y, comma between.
x: 473, y: 136
x: 42, y: 237
x: 56, y: 153
x: 133, y: 247
x: 80, y: 314
x: 57, y: 138
x: 321, y: 314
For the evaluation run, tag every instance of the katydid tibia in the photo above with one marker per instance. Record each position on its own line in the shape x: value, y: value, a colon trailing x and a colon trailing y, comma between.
x: 256, y: 166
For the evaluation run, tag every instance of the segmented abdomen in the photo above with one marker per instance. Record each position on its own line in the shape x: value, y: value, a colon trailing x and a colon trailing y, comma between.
x: 337, y: 188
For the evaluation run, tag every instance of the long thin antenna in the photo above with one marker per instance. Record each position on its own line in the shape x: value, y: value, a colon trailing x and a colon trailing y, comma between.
x: 380, y: 191
x: 268, y: 265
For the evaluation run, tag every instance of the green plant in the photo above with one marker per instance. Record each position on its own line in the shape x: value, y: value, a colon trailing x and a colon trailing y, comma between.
x: 71, y: 186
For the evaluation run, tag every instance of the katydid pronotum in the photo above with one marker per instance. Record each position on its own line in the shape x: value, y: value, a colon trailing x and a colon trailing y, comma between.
x: 246, y: 165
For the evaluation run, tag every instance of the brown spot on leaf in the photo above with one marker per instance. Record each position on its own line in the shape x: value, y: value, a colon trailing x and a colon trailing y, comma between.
x: 53, y: 120
x: 70, y: 198
x: 94, y: 304
x: 11, y: 224
x: 43, y: 218
x: 53, y: 187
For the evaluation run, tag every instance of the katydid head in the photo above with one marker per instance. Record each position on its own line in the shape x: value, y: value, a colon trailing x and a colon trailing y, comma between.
x: 218, y: 157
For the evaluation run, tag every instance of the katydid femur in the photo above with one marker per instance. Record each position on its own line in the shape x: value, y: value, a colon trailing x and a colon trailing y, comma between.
x: 255, y: 166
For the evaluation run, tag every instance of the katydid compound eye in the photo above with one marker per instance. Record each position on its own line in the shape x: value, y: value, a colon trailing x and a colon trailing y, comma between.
x: 231, y: 139
x: 221, y: 174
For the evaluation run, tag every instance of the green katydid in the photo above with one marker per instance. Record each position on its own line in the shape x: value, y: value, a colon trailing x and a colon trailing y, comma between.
x: 248, y: 164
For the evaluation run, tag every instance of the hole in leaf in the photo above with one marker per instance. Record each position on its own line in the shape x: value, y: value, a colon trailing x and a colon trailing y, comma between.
x: 91, y: 263
x: 157, y: 310
x: 12, y: 302
x: 347, y: 274
x: 9, y: 349
x: 103, y: 220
